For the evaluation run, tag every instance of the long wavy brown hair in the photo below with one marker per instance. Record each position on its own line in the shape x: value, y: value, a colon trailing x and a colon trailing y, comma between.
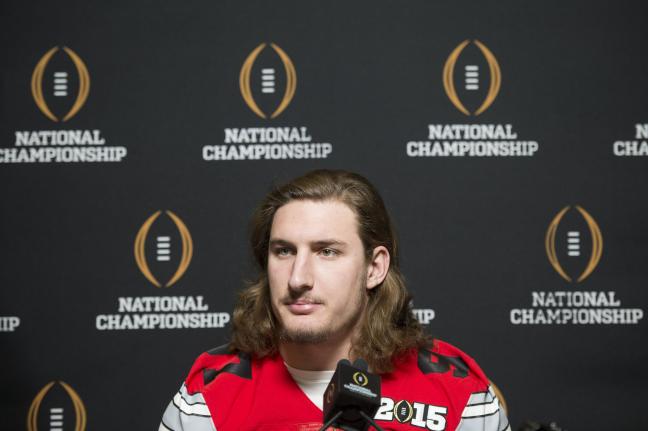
x: 388, y: 328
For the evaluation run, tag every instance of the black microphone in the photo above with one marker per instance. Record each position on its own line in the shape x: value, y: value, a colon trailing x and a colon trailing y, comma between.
x: 352, y: 398
x: 361, y: 364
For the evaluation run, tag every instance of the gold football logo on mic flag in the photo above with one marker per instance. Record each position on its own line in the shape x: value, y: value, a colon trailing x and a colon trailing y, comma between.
x: 329, y: 392
x: 597, y: 244
x: 140, y: 249
x: 37, y: 83
x: 244, y: 80
x: 79, y: 408
x: 495, y: 77
x: 360, y: 379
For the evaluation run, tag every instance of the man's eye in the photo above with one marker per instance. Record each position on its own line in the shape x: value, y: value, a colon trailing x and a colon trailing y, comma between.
x: 328, y: 252
x: 282, y: 251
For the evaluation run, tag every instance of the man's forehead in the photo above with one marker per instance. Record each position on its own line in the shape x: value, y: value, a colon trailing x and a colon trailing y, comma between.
x: 315, y: 220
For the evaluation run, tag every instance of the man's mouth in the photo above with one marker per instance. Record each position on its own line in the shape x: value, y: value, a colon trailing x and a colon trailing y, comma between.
x: 303, y: 306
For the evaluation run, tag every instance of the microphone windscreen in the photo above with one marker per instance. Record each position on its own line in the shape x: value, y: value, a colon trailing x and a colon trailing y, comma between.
x: 352, y: 393
x: 361, y: 364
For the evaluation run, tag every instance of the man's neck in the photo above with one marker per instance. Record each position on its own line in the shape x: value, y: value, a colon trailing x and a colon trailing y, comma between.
x: 314, y: 357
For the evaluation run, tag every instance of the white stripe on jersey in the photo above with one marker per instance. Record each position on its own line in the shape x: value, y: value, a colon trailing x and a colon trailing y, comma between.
x: 483, y: 413
x: 190, y: 409
x: 484, y: 409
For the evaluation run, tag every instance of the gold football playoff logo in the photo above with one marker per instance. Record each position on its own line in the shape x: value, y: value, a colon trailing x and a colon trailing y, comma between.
x: 574, y: 243
x: 403, y: 411
x: 163, y: 245
x: 360, y: 379
x: 329, y: 393
x: 267, y: 80
x: 56, y: 413
x: 471, y: 77
x: 60, y: 83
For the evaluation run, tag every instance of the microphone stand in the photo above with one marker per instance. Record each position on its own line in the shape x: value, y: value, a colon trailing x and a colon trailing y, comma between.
x: 331, y: 421
x: 370, y: 420
x: 338, y: 414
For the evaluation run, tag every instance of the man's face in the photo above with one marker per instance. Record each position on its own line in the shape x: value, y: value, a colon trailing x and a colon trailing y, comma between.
x: 317, y: 271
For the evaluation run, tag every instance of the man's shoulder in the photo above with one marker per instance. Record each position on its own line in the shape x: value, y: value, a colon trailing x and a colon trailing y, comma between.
x: 444, y: 377
x: 440, y: 361
x: 220, y: 361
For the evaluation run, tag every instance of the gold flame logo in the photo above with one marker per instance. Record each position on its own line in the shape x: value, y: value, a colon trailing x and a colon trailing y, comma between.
x: 79, y: 408
x: 140, y: 248
x: 244, y: 80
x: 495, y: 77
x: 597, y: 244
x: 37, y: 83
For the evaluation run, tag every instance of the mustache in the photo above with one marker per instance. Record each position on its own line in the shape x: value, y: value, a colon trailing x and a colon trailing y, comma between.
x: 300, y: 297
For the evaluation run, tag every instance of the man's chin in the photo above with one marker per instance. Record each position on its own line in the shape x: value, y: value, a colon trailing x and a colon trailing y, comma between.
x: 303, y: 335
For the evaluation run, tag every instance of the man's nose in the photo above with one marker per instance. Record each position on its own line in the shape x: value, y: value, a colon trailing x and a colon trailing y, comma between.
x: 301, y: 276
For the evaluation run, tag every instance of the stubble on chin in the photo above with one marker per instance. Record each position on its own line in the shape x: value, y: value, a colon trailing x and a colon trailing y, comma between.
x: 303, y: 336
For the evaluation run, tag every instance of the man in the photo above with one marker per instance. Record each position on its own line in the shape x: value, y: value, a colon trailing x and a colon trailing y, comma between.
x: 329, y: 287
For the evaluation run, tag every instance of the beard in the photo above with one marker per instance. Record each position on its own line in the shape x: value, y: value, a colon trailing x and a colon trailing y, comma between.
x: 304, y: 336
x: 329, y: 330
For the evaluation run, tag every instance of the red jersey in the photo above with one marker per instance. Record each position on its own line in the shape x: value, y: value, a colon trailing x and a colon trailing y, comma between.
x: 437, y: 389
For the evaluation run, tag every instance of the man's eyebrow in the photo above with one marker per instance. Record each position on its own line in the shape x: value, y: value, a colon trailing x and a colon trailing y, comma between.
x: 279, y: 241
x: 327, y: 242
x: 320, y: 243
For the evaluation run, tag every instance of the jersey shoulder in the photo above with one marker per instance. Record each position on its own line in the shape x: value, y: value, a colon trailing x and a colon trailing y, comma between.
x: 442, y: 359
x: 467, y: 386
x: 217, y: 362
x: 205, y: 399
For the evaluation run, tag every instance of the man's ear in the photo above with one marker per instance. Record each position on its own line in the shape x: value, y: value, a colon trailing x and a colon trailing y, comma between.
x: 378, y: 266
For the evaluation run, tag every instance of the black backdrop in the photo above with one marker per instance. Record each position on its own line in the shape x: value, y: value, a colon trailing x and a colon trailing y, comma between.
x: 165, y: 82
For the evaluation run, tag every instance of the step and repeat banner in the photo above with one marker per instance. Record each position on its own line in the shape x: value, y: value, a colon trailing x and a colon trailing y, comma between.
x: 509, y: 140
